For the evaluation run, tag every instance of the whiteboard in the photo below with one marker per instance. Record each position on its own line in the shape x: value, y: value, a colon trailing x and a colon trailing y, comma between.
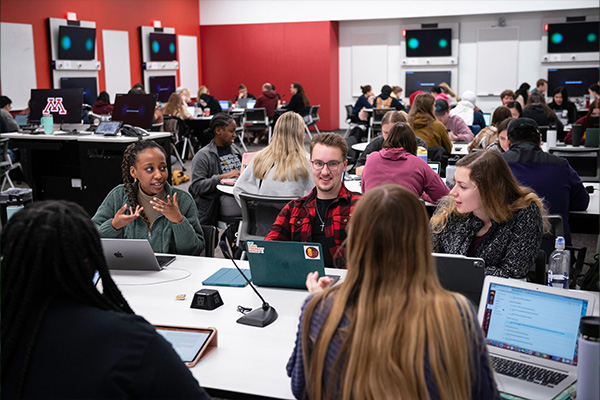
x: 117, y: 73
x: 497, y: 56
x: 369, y: 61
x: 188, y: 62
x: 17, y: 67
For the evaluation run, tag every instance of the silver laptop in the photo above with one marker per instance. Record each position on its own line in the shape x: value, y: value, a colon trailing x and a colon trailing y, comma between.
x: 531, y: 334
x: 133, y: 254
x: 461, y: 274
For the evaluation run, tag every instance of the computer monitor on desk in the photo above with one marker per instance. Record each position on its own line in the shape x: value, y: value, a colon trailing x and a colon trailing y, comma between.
x: 135, y: 109
x: 583, y: 160
x: 65, y: 105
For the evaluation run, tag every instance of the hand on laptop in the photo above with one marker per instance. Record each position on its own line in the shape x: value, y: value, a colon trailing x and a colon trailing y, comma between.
x: 170, y: 209
x: 314, y: 284
x: 121, y: 220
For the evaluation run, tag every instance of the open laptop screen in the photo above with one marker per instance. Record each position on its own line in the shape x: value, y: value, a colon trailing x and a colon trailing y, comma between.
x: 539, y: 324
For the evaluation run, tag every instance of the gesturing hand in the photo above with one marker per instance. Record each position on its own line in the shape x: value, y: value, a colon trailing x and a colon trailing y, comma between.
x: 315, y: 284
x: 121, y: 219
x: 170, y: 208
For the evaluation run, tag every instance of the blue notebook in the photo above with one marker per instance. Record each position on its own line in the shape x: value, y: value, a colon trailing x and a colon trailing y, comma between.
x: 228, y: 277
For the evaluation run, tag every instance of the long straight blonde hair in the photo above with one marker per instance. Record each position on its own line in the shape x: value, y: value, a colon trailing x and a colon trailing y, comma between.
x: 400, y: 318
x: 285, y: 154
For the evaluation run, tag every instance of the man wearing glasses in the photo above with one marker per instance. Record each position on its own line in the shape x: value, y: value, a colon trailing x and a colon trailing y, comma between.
x: 322, y: 215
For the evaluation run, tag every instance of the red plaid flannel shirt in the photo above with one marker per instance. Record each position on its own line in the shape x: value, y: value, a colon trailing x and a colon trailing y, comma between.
x: 294, y: 222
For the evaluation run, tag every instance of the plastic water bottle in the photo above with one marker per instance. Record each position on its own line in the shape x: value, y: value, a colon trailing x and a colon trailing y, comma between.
x: 450, y: 170
x: 560, y: 263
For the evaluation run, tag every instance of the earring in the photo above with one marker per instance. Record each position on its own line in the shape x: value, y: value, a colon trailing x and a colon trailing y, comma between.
x: 134, y: 180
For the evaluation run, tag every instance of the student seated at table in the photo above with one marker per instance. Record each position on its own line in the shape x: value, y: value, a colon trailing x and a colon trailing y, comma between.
x: 7, y: 118
x: 489, y: 135
x: 422, y: 120
x: 538, y: 110
x: 365, y: 101
x: 523, y: 94
x: 398, y: 163
x: 206, y: 101
x: 590, y: 120
x: 220, y: 159
x: 457, y: 128
x: 102, y: 105
x: 515, y: 109
x: 502, y: 143
x: 490, y: 216
x: 145, y: 206
x: 322, y: 215
x: 388, y: 120
x: 281, y: 168
x: 550, y: 176
x: 507, y: 96
x: 389, y: 331
x: 561, y: 103
x: 468, y: 111
x: 61, y: 337
x: 385, y: 99
x: 175, y: 107
x: 299, y: 102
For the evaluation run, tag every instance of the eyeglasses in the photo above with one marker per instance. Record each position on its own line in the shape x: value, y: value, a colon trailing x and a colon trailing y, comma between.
x: 331, y: 165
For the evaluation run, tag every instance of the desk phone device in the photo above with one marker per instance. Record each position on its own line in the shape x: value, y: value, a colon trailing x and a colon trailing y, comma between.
x: 133, y: 131
x: 192, y: 344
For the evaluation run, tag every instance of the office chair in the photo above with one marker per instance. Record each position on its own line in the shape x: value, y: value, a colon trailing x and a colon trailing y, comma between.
x: 375, y: 122
x: 259, y: 214
x: 7, y: 165
x: 178, y: 131
x: 311, y: 119
x: 255, y: 119
x: 210, y: 240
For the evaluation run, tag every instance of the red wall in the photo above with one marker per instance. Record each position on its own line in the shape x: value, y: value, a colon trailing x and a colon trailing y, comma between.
x: 304, y: 52
x: 122, y: 15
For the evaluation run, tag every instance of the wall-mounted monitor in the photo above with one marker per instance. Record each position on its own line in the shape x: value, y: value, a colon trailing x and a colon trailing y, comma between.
x: 90, y: 93
x: 163, y: 86
x: 573, y: 37
x: 425, y: 80
x: 135, y: 109
x: 576, y: 80
x: 65, y: 105
x: 428, y: 43
x: 163, y: 46
x: 76, y: 43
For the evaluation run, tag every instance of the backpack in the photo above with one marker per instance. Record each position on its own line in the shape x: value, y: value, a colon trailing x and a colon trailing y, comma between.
x: 591, y: 279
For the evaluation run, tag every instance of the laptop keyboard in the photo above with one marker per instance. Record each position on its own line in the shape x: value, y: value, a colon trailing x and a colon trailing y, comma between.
x: 526, y: 372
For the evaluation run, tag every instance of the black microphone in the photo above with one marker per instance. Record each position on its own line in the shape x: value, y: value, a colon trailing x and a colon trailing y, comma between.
x: 260, y: 317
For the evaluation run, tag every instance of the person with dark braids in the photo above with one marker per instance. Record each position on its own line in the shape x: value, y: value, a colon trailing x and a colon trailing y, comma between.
x: 61, y: 337
x: 145, y: 206
x: 220, y: 159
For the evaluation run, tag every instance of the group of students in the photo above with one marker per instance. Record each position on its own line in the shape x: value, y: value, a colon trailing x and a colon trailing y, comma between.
x: 391, y: 287
x: 384, y: 238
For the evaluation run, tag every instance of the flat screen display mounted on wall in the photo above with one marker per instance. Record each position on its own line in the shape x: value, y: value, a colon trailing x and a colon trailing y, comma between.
x: 76, y: 43
x: 576, y: 80
x: 573, y: 37
x: 425, y: 80
x: 163, y: 47
x: 163, y: 86
x: 429, y: 43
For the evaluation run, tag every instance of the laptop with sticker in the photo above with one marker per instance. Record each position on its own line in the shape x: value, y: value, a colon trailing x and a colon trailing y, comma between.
x: 284, y: 264
x: 531, y: 334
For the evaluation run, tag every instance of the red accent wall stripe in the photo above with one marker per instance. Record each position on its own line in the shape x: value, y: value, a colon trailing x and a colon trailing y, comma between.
x: 304, y: 52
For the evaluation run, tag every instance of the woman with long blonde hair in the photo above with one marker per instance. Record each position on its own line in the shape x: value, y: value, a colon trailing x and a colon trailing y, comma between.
x: 176, y: 108
x: 490, y: 216
x: 281, y: 168
x: 389, y: 331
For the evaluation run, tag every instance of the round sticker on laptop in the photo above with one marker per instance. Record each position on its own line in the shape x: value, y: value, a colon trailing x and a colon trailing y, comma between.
x: 311, y: 253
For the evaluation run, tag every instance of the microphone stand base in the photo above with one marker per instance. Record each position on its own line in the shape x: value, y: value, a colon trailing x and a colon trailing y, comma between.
x: 259, y: 317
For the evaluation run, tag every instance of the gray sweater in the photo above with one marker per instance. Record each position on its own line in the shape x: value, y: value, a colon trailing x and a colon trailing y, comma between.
x: 509, y: 249
x: 248, y: 183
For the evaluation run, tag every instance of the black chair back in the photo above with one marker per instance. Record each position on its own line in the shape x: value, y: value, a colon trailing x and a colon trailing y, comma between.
x: 210, y: 240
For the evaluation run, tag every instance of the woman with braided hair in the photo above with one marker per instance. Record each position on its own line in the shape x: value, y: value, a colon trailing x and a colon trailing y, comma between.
x: 61, y: 337
x: 145, y: 206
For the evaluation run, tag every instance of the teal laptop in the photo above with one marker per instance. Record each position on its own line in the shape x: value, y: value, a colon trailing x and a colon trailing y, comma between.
x: 284, y: 264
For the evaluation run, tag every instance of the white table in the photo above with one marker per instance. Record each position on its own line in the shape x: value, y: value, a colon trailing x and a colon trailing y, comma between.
x: 360, y: 147
x: 460, y: 149
x: 248, y: 359
x: 227, y: 189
